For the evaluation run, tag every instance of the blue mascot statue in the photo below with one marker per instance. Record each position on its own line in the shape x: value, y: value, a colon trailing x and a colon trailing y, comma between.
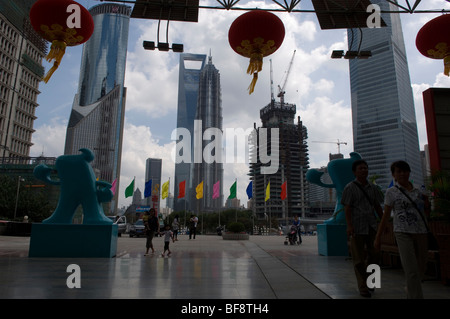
x: 78, y: 187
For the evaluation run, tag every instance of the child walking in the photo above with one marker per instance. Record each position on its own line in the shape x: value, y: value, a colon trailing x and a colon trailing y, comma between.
x: 168, y: 234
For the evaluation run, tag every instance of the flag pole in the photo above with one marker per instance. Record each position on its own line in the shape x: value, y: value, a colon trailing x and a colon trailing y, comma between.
x: 235, y: 209
x: 265, y: 202
x: 270, y: 211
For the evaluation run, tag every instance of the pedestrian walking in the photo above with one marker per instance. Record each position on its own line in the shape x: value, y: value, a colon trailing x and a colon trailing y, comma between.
x: 151, y: 227
x: 361, y: 200
x: 409, y: 206
x: 168, y: 235
x: 175, y: 227
x: 296, y: 223
x: 193, y: 226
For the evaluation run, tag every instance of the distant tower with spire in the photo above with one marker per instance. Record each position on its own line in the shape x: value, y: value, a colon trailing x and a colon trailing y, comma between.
x: 209, y: 112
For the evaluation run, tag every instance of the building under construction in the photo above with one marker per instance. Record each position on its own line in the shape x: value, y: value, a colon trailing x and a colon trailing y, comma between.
x: 293, y: 163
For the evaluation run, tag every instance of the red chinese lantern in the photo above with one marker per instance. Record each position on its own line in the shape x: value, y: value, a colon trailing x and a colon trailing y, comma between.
x: 63, y: 23
x: 433, y: 40
x: 254, y: 35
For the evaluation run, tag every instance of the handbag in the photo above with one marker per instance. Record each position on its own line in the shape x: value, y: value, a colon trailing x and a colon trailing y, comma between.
x: 432, y: 242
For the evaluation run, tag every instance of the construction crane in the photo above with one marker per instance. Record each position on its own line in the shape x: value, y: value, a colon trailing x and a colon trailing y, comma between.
x: 338, y: 144
x: 272, y: 99
x: 281, y: 90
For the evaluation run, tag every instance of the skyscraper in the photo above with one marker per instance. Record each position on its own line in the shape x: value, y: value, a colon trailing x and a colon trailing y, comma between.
x: 97, y: 117
x: 209, y: 112
x: 384, y: 120
x: 153, y: 172
x: 190, y: 68
x: 293, y: 164
x: 21, y: 70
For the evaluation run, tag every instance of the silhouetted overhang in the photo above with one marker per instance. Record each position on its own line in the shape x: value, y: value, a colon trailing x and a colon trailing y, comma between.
x: 173, y: 10
x: 343, y: 14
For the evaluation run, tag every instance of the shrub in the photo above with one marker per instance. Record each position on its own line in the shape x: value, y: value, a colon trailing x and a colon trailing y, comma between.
x: 236, y: 227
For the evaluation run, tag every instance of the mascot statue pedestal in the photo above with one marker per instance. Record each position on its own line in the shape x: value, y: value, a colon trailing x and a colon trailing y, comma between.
x: 332, y: 234
x: 332, y: 240
x: 71, y: 240
x: 57, y: 236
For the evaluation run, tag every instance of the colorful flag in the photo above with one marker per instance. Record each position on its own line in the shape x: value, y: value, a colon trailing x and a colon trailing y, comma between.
x: 148, y: 189
x: 181, y: 189
x: 113, y: 187
x: 391, y: 184
x: 233, y: 190
x: 284, y: 191
x: 165, y: 190
x: 199, y: 190
x: 250, y: 190
x: 216, y: 190
x: 129, y: 190
x: 267, y: 192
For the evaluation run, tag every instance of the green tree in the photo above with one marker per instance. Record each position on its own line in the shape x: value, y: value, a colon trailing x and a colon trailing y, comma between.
x: 31, y: 201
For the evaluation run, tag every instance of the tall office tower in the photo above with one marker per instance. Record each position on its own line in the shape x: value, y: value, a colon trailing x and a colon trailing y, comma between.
x: 209, y: 112
x: 190, y: 68
x: 21, y: 70
x: 293, y: 164
x: 97, y: 117
x: 384, y: 120
x: 153, y: 168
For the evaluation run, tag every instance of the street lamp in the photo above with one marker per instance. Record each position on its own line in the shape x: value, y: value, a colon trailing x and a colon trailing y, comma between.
x: 17, y: 194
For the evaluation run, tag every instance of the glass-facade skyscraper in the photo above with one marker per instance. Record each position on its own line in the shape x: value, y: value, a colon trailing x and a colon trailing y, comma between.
x: 383, y: 114
x: 97, y: 117
x: 191, y: 66
x: 209, y: 112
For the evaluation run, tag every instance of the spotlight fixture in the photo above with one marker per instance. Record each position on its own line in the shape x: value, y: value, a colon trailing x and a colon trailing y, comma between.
x: 163, y: 46
x: 149, y: 45
x: 177, y: 47
x: 351, y: 55
x: 364, y: 54
x: 337, y: 54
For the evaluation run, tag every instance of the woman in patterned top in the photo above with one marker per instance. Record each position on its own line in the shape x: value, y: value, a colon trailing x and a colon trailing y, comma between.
x: 404, y: 200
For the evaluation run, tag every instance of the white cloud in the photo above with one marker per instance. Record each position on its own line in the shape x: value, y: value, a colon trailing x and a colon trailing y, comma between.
x: 139, y: 145
x: 49, y: 138
x: 327, y: 121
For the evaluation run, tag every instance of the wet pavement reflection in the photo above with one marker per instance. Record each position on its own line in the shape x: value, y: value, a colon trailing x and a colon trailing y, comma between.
x: 205, y: 268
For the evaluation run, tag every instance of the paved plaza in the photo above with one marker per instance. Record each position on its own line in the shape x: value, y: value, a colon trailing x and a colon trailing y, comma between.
x: 205, y: 268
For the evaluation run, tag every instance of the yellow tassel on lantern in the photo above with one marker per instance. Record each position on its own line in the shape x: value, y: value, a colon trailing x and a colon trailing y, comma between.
x: 57, y: 50
x: 447, y: 65
x: 251, y: 87
x: 255, y: 66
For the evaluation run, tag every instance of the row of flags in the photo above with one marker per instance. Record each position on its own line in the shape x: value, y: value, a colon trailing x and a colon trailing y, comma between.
x: 199, y: 190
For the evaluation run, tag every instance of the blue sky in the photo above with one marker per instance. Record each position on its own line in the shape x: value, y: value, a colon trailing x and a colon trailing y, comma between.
x: 318, y: 85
